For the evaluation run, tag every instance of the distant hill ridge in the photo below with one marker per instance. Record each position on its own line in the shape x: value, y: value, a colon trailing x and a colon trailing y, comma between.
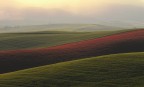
x: 58, y: 27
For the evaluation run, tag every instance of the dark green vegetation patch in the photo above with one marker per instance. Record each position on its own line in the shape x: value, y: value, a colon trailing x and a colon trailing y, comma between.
x: 119, y: 70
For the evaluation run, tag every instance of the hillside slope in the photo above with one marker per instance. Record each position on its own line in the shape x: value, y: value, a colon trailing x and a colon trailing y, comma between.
x: 119, y: 70
x: 43, y: 39
x: 121, y: 43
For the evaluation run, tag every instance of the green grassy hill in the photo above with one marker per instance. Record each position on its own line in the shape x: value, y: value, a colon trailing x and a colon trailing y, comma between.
x: 119, y: 70
x: 46, y: 38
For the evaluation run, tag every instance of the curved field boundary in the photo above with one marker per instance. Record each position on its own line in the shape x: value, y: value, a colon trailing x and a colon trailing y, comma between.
x: 119, y: 70
x: 121, y: 43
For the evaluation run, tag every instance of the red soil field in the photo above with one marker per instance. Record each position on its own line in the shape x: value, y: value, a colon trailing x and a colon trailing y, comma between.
x: 13, y: 60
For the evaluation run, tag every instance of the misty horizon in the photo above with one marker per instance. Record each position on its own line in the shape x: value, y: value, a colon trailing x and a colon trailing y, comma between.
x: 19, y: 12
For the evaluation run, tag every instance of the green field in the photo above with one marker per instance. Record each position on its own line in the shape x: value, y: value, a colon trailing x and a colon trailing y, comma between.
x: 114, y: 70
x: 47, y: 38
x: 118, y: 70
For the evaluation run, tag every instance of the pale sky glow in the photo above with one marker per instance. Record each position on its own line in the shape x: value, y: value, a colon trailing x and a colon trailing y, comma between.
x: 69, y: 5
x: 23, y: 9
x: 66, y: 4
x: 72, y: 6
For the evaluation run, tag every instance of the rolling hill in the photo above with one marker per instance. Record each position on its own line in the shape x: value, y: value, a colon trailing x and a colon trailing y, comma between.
x: 119, y: 43
x: 118, y: 70
x: 14, y: 41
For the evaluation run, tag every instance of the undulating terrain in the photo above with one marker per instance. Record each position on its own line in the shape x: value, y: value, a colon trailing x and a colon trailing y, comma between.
x: 71, y: 43
x: 42, y: 39
x: 72, y: 59
x: 119, y: 43
x: 120, y: 70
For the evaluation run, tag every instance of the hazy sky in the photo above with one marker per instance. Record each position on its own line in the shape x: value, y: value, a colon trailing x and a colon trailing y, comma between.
x: 70, y: 11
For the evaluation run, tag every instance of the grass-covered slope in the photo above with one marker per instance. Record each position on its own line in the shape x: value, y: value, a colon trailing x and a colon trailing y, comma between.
x: 15, y: 41
x: 121, y: 43
x: 119, y: 70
